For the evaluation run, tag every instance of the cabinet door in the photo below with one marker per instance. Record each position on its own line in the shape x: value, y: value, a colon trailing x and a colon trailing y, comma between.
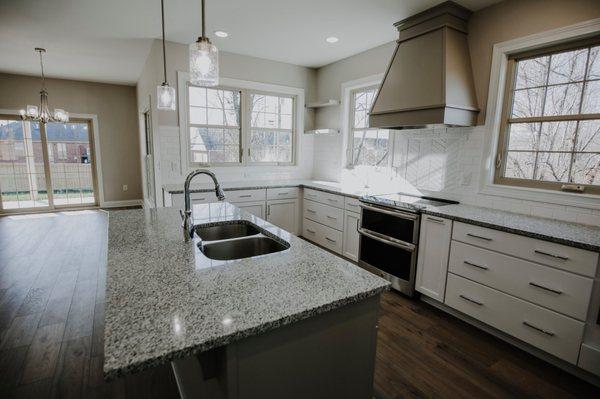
x: 432, y: 263
x: 257, y: 208
x: 284, y: 214
x: 351, y: 236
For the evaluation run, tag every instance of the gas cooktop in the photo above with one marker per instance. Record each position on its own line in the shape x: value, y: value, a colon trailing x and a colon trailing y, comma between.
x: 405, y: 202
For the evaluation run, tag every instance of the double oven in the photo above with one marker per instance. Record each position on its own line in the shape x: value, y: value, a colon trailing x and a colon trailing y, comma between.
x: 388, y: 245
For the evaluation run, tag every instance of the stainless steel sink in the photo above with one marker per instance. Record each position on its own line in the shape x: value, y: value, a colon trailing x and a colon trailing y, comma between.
x: 242, y: 248
x: 225, y: 231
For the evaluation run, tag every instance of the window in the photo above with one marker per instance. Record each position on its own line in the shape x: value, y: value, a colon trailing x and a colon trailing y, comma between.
x: 271, y: 128
x: 214, y: 123
x: 369, y: 146
x: 233, y: 126
x: 550, y: 132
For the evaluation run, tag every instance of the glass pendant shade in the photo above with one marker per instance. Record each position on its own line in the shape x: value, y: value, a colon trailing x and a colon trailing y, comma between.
x: 32, y: 111
x: 204, y: 63
x: 165, y: 95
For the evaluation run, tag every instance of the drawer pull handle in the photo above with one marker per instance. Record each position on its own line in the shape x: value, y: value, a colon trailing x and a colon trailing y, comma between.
x: 466, y: 298
x: 480, y: 237
x: 331, y: 217
x: 528, y: 324
x: 537, y: 251
x: 286, y: 193
x: 545, y: 288
x: 466, y: 262
x: 311, y: 210
x: 332, y: 199
x: 330, y: 240
x: 246, y: 196
x: 311, y: 231
x: 440, y: 221
x: 311, y: 195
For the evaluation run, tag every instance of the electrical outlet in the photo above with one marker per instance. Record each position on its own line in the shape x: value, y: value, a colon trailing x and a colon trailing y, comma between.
x: 125, y: 187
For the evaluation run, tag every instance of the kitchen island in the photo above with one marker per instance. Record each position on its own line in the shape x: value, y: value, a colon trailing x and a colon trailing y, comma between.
x: 296, y: 323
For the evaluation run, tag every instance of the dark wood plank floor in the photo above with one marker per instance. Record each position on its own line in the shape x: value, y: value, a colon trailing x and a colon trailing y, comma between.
x: 52, y: 284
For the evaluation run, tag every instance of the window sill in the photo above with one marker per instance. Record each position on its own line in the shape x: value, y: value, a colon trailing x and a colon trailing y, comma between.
x: 589, y: 201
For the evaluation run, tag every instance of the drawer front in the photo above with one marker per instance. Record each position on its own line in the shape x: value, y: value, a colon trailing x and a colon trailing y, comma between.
x: 560, y: 256
x: 334, y: 200
x: 324, y: 214
x: 563, y: 292
x: 549, y: 331
x: 282, y: 193
x: 246, y: 195
x: 352, y: 204
x: 322, y: 235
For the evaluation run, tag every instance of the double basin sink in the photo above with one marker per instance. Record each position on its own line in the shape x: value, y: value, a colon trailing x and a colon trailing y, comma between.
x: 236, y: 240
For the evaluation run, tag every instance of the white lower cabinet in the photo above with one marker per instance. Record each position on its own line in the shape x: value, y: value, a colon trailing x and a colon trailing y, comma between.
x: 351, y: 235
x: 257, y: 208
x: 322, y: 235
x: 432, y: 260
x: 547, y: 330
x: 284, y: 214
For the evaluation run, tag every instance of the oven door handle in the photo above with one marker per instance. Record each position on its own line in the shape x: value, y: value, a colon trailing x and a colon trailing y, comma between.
x: 398, y: 214
x: 388, y: 240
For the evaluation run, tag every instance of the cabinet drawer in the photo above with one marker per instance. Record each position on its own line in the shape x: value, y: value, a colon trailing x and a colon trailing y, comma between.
x: 322, y: 235
x: 324, y: 198
x: 549, y: 331
x: 560, y: 256
x: 324, y: 214
x: 563, y: 292
x: 282, y: 193
x: 245, y: 195
x: 352, y: 204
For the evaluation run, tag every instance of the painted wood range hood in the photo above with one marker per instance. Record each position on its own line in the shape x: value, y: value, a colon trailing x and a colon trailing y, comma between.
x: 428, y: 82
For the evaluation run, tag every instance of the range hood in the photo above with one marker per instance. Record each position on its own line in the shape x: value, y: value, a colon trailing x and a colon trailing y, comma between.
x: 429, y: 81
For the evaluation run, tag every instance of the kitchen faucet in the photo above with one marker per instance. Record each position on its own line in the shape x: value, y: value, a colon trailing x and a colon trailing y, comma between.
x: 186, y: 215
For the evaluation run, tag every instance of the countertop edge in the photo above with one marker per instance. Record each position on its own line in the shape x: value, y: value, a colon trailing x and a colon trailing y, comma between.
x: 514, y: 230
x: 110, y: 375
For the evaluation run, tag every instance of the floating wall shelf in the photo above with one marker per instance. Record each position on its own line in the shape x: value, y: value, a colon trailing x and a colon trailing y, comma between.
x: 328, y: 103
x: 322, y: 131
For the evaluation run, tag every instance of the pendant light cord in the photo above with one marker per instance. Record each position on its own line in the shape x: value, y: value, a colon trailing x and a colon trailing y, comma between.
x: 162, y: 11
x: 42, y: 67
x: 203, y: 21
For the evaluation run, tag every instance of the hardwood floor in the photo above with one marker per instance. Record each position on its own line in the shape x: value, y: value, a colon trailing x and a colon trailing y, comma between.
x: 52, y: 284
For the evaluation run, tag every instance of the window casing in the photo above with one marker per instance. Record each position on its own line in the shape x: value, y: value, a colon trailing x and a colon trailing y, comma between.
x: 230, y: 127
x: 366, y: 146
x: 550, y: 127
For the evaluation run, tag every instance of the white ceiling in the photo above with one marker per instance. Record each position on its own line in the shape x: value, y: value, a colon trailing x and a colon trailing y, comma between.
x: 109, y: 40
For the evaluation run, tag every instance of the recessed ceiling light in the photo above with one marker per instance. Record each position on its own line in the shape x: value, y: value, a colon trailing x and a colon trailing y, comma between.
x: 221, y: 33
x: 332, y: 39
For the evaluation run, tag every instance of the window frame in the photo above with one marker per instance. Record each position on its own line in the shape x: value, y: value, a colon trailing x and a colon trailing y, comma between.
x: 245, y: 128
x: 501, y: 152
x: 351, y: 109
x: 246, y: 150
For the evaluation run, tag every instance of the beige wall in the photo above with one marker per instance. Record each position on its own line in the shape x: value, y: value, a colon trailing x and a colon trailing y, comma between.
x: 115, y: 106
x: 512, y: 19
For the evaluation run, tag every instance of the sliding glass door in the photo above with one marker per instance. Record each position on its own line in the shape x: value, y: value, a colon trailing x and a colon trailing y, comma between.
x: 46, y: 166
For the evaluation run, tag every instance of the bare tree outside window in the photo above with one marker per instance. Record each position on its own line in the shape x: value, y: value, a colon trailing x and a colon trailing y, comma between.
x: 551, y: 127
x: 215, y: 125
x: 370, y: 146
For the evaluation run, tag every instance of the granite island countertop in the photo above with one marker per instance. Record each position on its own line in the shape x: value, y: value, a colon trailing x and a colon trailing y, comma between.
x: 572, y: 234
x: 166, y: 300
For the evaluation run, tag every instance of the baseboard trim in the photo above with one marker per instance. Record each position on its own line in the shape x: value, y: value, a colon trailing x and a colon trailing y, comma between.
x: 561, y: 364
x: 118, y: 204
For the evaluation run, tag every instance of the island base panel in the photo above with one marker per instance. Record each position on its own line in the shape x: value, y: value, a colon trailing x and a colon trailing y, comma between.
x: 331, y: 355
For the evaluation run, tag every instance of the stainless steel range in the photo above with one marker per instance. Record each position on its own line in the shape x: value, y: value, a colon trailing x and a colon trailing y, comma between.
x: 389, y: 236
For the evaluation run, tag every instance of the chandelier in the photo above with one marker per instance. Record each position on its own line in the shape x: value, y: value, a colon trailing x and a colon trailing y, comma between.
x: 204, y: 59
x: 42, y: 113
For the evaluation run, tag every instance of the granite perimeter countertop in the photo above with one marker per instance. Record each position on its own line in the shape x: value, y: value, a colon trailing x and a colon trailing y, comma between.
x: 349, y: 190
x: 573, y: 234
x: 166, y: 300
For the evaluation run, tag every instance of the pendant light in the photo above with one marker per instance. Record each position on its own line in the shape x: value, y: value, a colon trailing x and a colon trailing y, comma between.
x: 165, y: 94
x: 204, y: 59
x: 42, y: 114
